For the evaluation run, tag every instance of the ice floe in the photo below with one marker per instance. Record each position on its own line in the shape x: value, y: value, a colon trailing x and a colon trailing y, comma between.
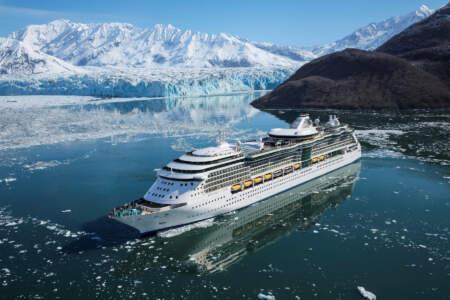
x: 32, y: 126
x: 366, y: 294
x: 8, y: 180
x: 262, y: 296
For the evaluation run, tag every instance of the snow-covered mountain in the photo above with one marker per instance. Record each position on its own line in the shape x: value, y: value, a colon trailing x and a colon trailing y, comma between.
x: 119, y: 59
x: 374, y: 35
x: 294, y: 53
x: 121, y: 44
x: 16, y: 57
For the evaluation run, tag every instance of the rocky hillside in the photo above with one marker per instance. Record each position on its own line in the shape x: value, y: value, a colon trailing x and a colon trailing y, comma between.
x: 413, y: 73
x: 425, y: 44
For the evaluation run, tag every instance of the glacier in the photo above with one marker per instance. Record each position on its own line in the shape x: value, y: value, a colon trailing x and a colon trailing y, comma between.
x: 121, y: 60
x: 159, y: 83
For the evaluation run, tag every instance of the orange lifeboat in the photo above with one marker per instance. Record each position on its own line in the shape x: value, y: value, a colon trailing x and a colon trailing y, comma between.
x: 268, y: 176
x: 296, y: 166
x: 235, y: 188
x: 248, y: 183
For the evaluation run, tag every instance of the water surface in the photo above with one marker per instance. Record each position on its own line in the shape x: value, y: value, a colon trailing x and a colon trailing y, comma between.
x: 381, y: 223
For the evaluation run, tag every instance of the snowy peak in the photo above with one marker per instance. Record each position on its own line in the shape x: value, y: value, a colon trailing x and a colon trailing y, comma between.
x: 18, y: 57
x: 374, y: 35
x: 121, y: 44
x: 63, y: 45
x: 424, y: 11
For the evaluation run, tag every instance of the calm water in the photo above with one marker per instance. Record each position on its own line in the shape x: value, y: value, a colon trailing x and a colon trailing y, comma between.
x: 382, y: 223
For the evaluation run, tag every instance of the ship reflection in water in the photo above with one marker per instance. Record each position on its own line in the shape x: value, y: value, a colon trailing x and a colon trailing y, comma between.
x: 231, y: 237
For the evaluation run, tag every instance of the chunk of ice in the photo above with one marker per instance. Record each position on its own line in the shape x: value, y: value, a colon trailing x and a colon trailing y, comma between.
x: 366, y: 294
x: 261, y: 296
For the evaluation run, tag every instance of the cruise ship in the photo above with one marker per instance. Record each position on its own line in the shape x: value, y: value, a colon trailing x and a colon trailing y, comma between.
x: 212, y: 181
x: 216, y: 247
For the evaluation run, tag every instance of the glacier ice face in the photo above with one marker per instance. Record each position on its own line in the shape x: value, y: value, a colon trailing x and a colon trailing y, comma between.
x: 159, y: 83
x: 120, y: 60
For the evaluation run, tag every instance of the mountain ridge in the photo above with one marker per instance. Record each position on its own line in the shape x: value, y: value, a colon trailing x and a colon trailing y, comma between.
x: 160, y: 46
x: 409, y: 71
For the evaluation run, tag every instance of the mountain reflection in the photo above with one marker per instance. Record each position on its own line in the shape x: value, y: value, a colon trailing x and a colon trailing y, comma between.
x: 231, y: 237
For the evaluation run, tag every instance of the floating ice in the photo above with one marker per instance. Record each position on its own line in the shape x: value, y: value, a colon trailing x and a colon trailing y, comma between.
x: 8, y: 180
x: 366, y: 294
x: 42, y: 165
x: 261, y: 296
x: 27, y: 127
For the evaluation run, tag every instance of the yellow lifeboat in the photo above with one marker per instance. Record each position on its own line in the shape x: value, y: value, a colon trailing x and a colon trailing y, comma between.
x: 268, y: 176
x: 322, y: 157
x: 315, y: 159
x: 248, y: 183
x: 236, y: 188
x: 258, y: 180
x: 296, y: 166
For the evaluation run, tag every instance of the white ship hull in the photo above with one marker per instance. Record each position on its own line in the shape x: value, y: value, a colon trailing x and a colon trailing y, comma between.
x: 223, y: 200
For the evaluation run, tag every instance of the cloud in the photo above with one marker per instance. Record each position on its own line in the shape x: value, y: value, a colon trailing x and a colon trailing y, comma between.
x: 30, y: 12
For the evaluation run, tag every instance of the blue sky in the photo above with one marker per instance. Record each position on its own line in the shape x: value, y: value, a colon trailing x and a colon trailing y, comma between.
x: 290, y: 22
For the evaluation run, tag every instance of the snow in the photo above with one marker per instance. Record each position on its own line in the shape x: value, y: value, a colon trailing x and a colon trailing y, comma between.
x: 18, y: 57
x: 366, y: 294
x: 121, y: 60
x: 122, y: 44
x: 374, y: 35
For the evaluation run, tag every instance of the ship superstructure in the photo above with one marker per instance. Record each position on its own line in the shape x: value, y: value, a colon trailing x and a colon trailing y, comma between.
x: 215, y: 180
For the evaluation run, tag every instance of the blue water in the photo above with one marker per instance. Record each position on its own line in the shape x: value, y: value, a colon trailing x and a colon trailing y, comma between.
x: 385, y: 226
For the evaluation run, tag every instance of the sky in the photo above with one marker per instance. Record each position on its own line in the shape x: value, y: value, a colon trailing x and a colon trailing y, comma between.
x: 289, y: 22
